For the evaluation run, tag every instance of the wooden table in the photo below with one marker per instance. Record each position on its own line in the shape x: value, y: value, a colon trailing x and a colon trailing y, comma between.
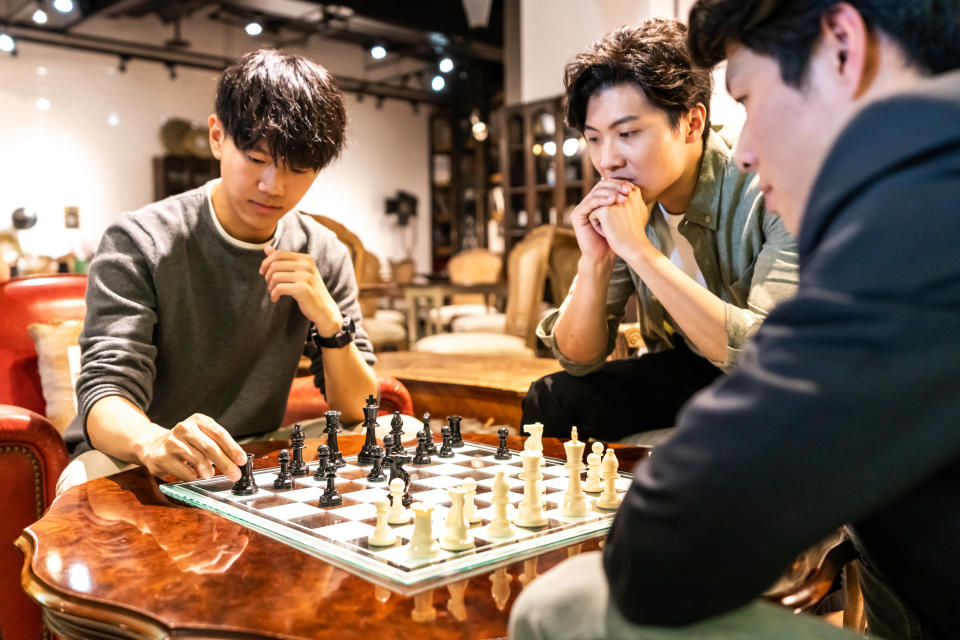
x: 114, y: 558
x: 480, y: 387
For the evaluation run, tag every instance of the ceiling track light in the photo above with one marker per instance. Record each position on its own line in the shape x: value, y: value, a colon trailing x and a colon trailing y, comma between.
x: 254, y: 27
x: 63, y: 6
x: 7, y: 43
x: 39, y: 16
x: 446, y: 65
x: 378, y: 52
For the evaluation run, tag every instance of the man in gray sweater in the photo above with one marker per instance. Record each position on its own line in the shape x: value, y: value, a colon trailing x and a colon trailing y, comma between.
x: 199, y: 306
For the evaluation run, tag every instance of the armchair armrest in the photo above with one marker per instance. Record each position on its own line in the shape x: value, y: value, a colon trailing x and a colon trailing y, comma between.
x: 306, y: 402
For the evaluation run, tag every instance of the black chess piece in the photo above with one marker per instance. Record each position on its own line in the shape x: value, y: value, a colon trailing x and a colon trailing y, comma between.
x: 283, y: 480
x: 431, y: 447
x: 387, y: 448
x: 245, y: 486
x: 396, y: 430
x: 332, y: 429
x: 323, y: 457
x: 298, y: 467
x: 370, y: 451
x: 422, y: 456
x: 446, y: 451
x: 397, y: 461
x: 376, y: 472
x: 457, y: 440
x: 502, y: 452
x: 331, y: 497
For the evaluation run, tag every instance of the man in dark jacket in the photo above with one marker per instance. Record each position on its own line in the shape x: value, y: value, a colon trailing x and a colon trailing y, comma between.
x: 845, y: 408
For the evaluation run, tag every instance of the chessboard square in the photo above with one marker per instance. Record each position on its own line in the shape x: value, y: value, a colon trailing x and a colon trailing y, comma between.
x: 512, y: 482
x: 622, y: 484
x: 317, y: 520
x: 290, y: 511
x: 215, y: 485
x: 229, y: 496
x: 443, y: 469
x: 359, y: 511
x: 352, y: 474
x: 402, y: 531
x: 440, y: 482
x: 434, y: 496
x: 264, y: 479
x: 489, y: 459
x: 556, y: 483
x: 376, y: 492
x: 556, y: 471
x: 457, y: 457
x: 307, y: 494
x: 265, y: 500
x: 401, y: 556
x: 555, y: 514
x: 346, y: 531
x: 519, y: 533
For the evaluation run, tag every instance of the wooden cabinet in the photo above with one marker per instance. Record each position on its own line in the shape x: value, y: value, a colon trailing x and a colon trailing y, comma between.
x: 176, y: 174
x: 545, y: 168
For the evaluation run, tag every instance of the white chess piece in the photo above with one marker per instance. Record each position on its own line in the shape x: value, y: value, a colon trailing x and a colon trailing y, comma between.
x: 469, y: 507
x: 531, y: 507
x: 456, y: 538
x: 593, y: 469
x: 609, y: 498
x: 381, y: 536
x: 574, y: 500
x: 535, y: 441
x: 500, y: 526
x: 422, y: 544
x: 398, y: 514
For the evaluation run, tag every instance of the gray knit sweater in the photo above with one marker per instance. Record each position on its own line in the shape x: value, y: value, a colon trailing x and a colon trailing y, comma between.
x: 179, y: 320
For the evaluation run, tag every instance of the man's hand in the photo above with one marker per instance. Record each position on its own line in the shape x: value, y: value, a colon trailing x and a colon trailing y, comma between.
x: 295, y: 275
x: 590, y: 237
x: 191, y: 450
x: 624, y: 223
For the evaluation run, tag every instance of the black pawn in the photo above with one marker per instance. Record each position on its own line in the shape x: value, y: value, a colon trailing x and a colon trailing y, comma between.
x: 283, y: 480
x: 396, y: 430
x: 332, y: 429
x: 376, y: 472
x: 502, y: 452
x: 422, y: 456
x: 397, y: 471
x: 446, y: 451
x: 370, y: 451
x: 323, y: 457
x: 331, y: 497
x: 431, y: 447
x: 298, y: 467
x: 457, y: 441
x: 245, y: 486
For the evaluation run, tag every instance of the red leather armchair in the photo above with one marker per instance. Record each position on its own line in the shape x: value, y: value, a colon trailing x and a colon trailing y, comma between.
x: 32, y: 453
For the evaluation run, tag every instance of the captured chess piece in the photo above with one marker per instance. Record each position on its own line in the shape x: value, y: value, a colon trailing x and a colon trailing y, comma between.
x: 422, y: 543
x: 574, y: 499
x: 456, y: 537
x: 382, y: 536
x: 457, y: 440
x: 396, y: 431
x: 446, y: 447
x: 323, y: 457
x: 502, y: 452
x: 330, y: 497
x: 370, y: 451
x: 398, y: 513
x: 422, y: 455
x: 593, y: 469
x: 332, y: 429
x: 431, y: 447
x: 609, y: 498
x: 297, y: 466
x: 530, y: 512
x: 245, y: 486
x: 283, y: 480
x: 376, y: 471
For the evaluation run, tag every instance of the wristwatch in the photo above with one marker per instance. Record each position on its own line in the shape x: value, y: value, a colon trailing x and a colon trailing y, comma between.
x: 338, y: 340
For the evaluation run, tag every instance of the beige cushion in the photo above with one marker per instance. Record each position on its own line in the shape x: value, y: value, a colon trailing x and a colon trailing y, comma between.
x: 448, y: 312
x: 58, y: 359
x: 474, y: 344
x: 487, y: 323
x: 391, y: 315
x: 384, y: 334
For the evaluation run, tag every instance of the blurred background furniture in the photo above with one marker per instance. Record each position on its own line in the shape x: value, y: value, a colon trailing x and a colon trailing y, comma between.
x: 474, y: 266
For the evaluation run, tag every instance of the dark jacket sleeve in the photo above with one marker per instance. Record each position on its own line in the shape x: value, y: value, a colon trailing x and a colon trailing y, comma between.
x: 841, y: 402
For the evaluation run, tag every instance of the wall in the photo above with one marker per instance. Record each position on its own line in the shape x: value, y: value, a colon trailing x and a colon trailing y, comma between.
x: 75, y: 154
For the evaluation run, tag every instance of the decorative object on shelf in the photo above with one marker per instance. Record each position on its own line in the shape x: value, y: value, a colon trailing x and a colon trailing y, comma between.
x: 403, y: 205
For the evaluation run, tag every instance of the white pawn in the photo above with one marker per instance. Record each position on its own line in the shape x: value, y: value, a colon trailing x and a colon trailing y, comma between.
x: 574, y: 500
x: 530, y: 513
x: 469, y: 507
x: 381, y: 536
x: 500, y: 526
x: 456, y: 538
x: 593, y: 469
x: 398, y: 514
x: 422, y: 544
x: 535, y: 441
x: 609, y: 498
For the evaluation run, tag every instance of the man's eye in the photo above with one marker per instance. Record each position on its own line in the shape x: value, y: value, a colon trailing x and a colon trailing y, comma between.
x: 255, y: 160
x: 627, y: 134
x: 593, y: 140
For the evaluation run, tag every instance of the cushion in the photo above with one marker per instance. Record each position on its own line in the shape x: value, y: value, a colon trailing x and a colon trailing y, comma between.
x: 58, y: 360
x: 445, y: 314
x: 488, y: 323
x: 390, y: 315
x: 384, y: 333
x: 499, y: 344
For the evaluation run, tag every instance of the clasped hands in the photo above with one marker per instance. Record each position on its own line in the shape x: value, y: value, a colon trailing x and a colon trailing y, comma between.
x: 611, y: 220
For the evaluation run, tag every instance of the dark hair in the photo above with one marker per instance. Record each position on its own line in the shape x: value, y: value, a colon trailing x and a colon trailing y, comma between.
x: 928, y: 31
x: 652, y: 56
x: 286, y: 101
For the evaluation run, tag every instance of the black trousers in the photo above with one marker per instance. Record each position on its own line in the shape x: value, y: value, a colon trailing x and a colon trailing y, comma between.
x: 624, y: 397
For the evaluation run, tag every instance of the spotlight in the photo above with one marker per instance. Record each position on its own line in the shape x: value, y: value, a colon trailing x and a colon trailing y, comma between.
x: 6, y: 43
x: 438, y: 83
x: 43, y: 104
x: 570, y: 147
x: 63, y: 6
x: 378, y: 52
x: 446, y: 65
x: 550, y: 148
x: 253, y: 28
x: 40, y: 16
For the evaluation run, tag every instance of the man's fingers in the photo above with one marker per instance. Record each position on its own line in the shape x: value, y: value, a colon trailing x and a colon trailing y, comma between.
x: 218, y: 447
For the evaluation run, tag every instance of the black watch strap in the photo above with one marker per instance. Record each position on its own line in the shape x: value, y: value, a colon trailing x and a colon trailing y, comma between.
x: 338, y: 340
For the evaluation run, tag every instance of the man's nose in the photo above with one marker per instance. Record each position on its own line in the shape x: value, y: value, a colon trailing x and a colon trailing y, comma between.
x: 744, y: 156
x: 271, y: 181
x: 610, y: 157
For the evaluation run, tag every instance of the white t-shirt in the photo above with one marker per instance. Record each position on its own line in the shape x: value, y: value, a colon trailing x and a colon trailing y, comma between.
x: 678, y: 248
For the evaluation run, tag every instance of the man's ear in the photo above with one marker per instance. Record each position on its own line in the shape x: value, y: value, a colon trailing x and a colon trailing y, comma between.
x: 850, y: 47
x: 217, y: 135
x: 696, y: 119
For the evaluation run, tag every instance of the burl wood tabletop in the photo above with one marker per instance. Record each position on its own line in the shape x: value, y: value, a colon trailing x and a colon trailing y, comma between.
x: 115, y: 558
